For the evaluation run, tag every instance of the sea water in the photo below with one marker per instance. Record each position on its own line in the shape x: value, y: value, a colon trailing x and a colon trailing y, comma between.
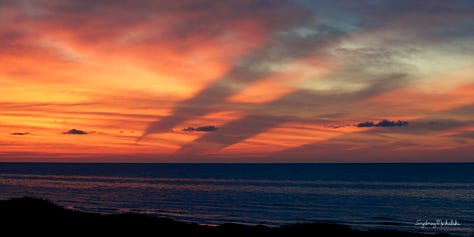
x: 422, y: 197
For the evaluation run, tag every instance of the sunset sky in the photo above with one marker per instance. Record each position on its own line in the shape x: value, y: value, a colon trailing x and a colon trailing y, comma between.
x: 237, y: 81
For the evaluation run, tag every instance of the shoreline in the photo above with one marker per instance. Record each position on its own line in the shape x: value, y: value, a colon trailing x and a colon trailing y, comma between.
x: 47, y: 217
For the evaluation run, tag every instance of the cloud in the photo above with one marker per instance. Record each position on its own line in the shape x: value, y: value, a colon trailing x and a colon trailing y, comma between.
x: 189, y: 129
x: 116, y: 24
x: 366, y: 124
x: 423, y: 126
x: 383, y: 123
x: 346, y: 150
x: 75, y: 131
x: 284, y: 45
x: 376, y: 144
x: 206, y: 129
x: 20, y: 133
x: 419, y: 14
x: 211, y: 52
x: 386, y: 123
x: 295, y: 106
x: 209, y: 128
x: 466, y: 134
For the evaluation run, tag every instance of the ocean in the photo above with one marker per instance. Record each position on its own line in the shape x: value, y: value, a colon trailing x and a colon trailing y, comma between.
x: 421, y: 197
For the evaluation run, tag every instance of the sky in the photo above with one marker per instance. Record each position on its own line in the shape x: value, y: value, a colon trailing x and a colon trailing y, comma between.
x: 237, y: 81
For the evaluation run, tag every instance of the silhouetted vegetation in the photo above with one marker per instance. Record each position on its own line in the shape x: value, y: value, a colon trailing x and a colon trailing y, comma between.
x: 31, y: 215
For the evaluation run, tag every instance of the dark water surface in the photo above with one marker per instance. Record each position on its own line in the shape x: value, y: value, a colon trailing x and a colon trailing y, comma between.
x: 361, y: 195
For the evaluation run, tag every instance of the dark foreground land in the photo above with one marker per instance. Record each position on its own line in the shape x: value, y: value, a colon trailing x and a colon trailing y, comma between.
x: 30, y: 215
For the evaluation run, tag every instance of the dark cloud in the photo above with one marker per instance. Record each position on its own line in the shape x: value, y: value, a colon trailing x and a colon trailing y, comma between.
x: 387, y: 123
x: 383, y: 123
x: 20, y: 133
x: 210, y: 128
x: 206, y: 129
x: 75, y: 131
x: 366, y: 124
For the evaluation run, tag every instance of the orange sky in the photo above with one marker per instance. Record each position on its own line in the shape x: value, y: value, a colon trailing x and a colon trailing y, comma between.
x: 279, y: 81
